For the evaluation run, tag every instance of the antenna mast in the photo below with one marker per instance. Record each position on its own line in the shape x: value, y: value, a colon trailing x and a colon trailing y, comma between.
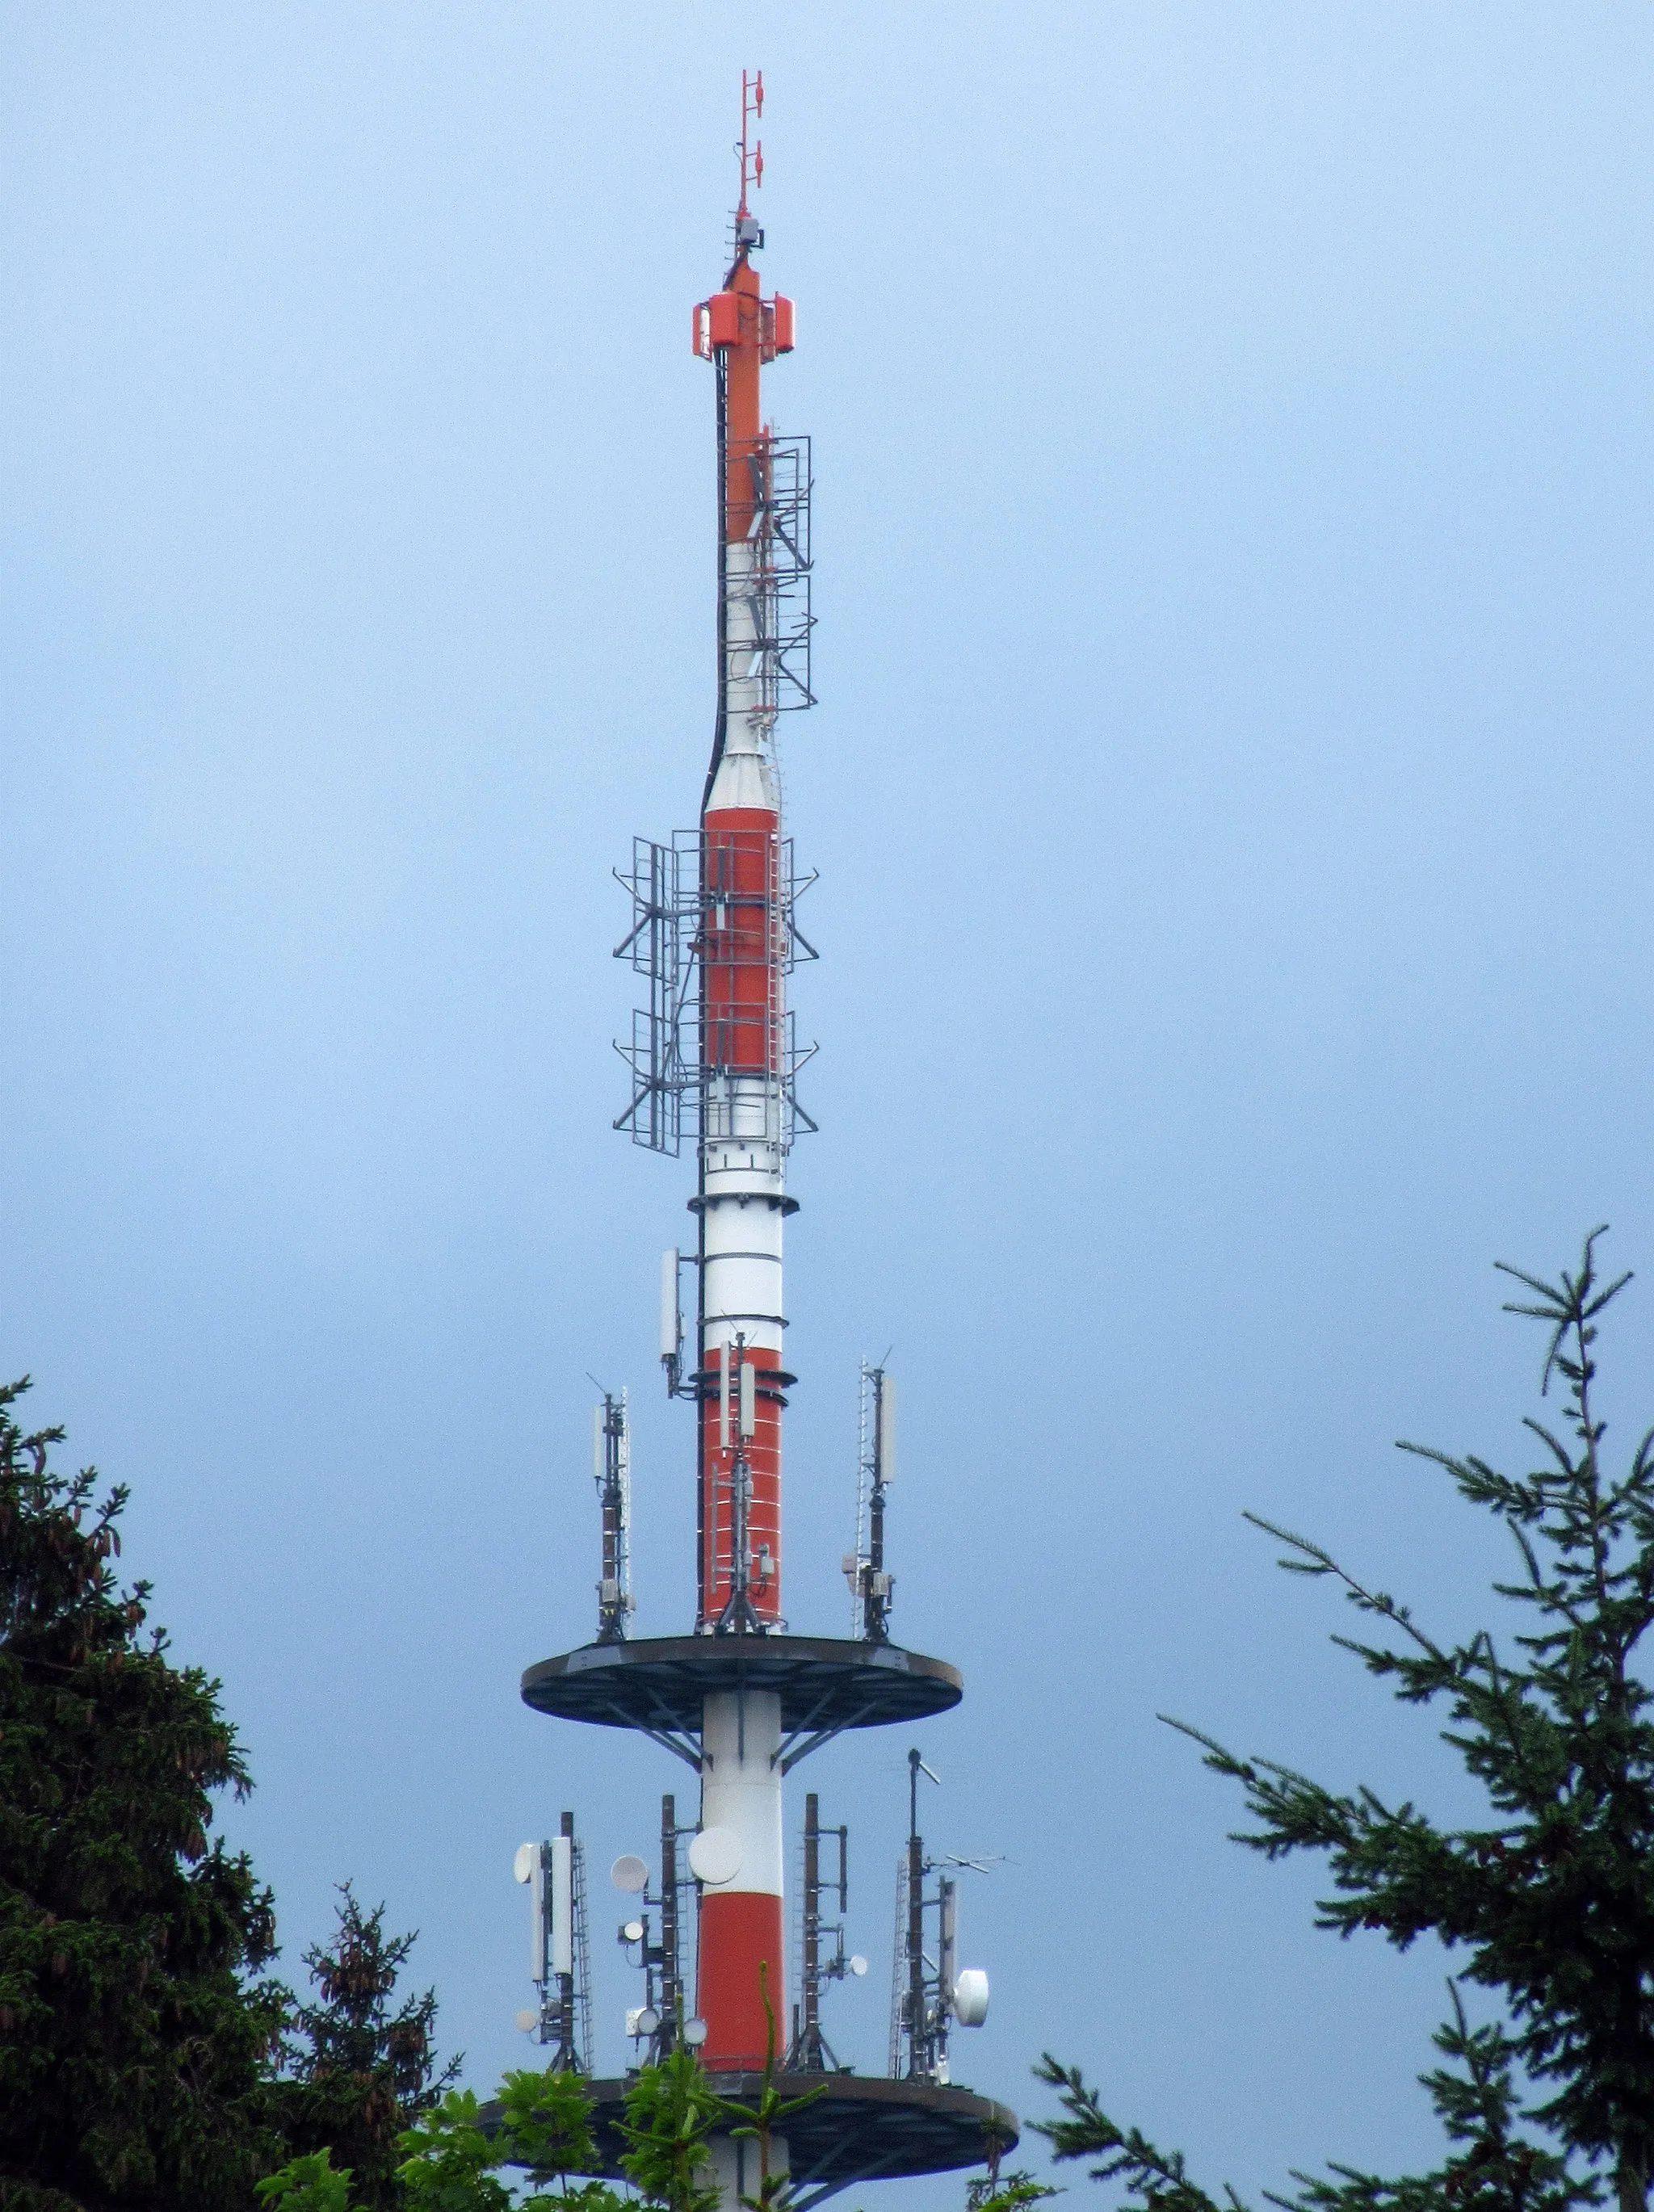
x: 871, y: 1586
x: 713, y: 1057
x: 611, y: 1471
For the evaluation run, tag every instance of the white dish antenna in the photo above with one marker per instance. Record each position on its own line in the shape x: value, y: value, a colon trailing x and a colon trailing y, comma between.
x: 527, y: 2022
x: 523, y: 1865
x: 858, y: 1966
x: 695, y: 2033
x: 971, y: 1998
x: 627, y: 1873
x: 715, y: 1856
x: 633, y: 1931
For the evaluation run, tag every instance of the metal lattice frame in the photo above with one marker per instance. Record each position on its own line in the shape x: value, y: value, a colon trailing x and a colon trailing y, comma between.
x: 675, y: 891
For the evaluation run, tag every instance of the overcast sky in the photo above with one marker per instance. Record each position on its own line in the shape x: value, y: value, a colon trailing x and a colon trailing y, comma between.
x: 1231, y: 794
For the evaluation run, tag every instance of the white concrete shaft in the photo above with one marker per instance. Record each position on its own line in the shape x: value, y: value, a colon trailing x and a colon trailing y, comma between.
x: 741, y: 1783
x: 742, y: 1255
x: 746, y: 720
x: 737, y: 2169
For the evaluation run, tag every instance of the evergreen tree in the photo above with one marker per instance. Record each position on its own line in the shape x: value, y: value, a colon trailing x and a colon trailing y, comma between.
x: 134, y: 2051
x: 1552, y: 1897
x: 360, y: 2066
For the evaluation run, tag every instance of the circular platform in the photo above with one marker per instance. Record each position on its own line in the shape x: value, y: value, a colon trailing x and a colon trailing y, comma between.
x: 658, y: 1684
x: 862, y: 2128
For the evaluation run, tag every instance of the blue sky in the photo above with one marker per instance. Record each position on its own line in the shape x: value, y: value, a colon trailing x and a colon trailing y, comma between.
x: 1230, y: 791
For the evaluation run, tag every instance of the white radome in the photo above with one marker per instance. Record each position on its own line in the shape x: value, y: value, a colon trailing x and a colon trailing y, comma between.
x: 971, y: 1998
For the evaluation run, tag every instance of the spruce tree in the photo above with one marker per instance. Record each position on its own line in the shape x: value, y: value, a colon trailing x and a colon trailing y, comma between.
x: 360, y: 2066
x: 134, y: 2048
x: 1550, y: 1900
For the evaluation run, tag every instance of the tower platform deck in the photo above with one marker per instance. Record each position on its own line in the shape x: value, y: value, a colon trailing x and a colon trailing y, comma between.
x: 658, y: 1686
x: 862, y: 2128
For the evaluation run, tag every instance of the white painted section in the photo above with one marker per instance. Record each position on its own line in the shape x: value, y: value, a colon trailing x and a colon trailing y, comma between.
x: 741, y: 1782
x: 736, y: 2167
x: 745, y: 778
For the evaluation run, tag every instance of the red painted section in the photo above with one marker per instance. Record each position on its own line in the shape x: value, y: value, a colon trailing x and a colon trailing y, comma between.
x: 738, y: 1929
x: 764, y: 1456
x: 741, y: 966
x: 741, y: 949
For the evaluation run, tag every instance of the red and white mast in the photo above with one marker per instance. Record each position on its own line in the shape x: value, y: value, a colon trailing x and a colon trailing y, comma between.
x: 743, y: 1699
x: 745, y: 1130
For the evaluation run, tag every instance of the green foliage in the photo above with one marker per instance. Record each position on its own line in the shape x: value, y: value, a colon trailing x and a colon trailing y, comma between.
x: 452, y: 2164
x: 1007, y: 2193
x: 1493, y: 2167
x: 360, y: 2065
x: 448, y: 2162
x: 671, y: 2111
x: 307, y: 2184
x: 134, y: 2051
x: 1151, y: 2178
x: 545, y: 2127
x: 1552, y: 1897
x: 758, y: 2122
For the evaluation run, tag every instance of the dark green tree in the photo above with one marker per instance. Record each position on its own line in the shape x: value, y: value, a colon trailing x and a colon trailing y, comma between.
x: 360, y: 2065
x: 135, y: 2048
x: 1551, y: 1899
x: 1493, y: 2165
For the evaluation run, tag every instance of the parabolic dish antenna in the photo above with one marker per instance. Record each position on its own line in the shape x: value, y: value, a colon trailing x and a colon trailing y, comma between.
x: 971, y: 1998
x: 523, y: 1864
x: 629, y: 1872
x: 716, y: 1857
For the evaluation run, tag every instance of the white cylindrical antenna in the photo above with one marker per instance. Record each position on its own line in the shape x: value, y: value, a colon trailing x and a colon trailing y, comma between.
x: 672, y: 1314
x: 530, y: 1870
x: 723, y: 1397
x: 749, y: 1400
x: 886, y: 1441
x: 562, y: 1905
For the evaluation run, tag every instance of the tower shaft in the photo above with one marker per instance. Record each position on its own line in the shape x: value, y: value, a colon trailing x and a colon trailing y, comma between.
x: 742, y: 1195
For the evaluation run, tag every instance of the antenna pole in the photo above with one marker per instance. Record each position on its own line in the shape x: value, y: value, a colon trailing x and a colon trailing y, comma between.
x: 917, y: 2040
x: 877, y: 1608
x: 611, y: 1470
x: 810, y: 2043
x: 672, y: 1979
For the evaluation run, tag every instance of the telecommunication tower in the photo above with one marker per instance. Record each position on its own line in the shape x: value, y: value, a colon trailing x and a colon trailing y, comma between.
x: 713, y: 1060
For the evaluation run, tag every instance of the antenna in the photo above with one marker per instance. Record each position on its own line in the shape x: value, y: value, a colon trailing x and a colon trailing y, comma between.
x: 812, y: 2052
x: 750, y: 151
x: 555, y: 1874
x: 656, y: 2020
x: 672, y: 1318
x: 936, y: 1992
x: 871, y: 1586
x: 611, y: 1471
